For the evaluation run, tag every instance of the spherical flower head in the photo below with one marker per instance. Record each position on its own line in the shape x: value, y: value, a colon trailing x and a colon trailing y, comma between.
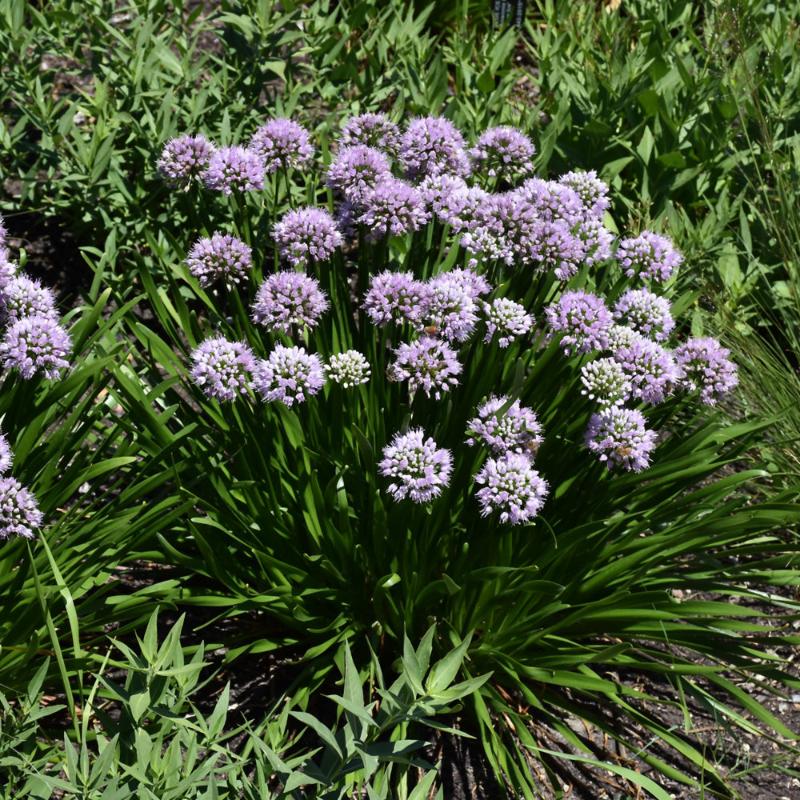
x: 620, y: 336
x: 6, y: 456
x: 446, y: 196
x: 649, y: 255
x: 474, y: 284
x: 395, y: 297
x: 222, y: 369
x: 450, y: 308
x: 19, y: 511
x: 619, y: 438
x: 417, y: 467
x: 645, y: 312
x: 307, y: 234
x: 605, y: 382
x: 553, y: 200
x: 357, y: 170
x: 554, y: 247
x: 372, y: 130
x: 463, y: 208
x: 512, y: 488
x: 23, y: 297
x: 503, y: 152
x: 651, y: 370
x: 348, y: 369
x: 234, y: 169
x: 506, y: 426
x: 430, y: 146
x: 504, y: 228
x: 282, y: 144
x: 706, y: 368
x: 185, y: 159
x: 289, y: 375
x: 8, y: 269
x: 507, y: 320
x: 582, y: 319
x: 428, y: 364
x: 36, y: 344
x: 392, y: 209
x: 288, y: 300
x: 221, y: 258
x: 596, y: 240
x: 592, y: 191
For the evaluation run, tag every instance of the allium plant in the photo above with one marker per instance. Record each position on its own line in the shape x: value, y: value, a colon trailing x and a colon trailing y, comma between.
x: 480, y: 429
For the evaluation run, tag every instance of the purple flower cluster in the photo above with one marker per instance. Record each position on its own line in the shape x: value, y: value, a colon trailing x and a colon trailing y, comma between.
x: 234, y: 169
x: 220, y: 258
x: 645, y: 312
x: 289, y: 300
x: 185, y: 159
x: 394, y: 208
x: 648, y: 255
x: 372, y: 130
x: 428, y: 364
x: 503, y: 152
x: 6, y: 456
x: 619, y: 438
x: 450, y: 307
x: 511, y: 488
x: 282, y: 144
x: 19, y: 511
x: 23, y: 297
x: 507, y: 319
x: 430, y: 146
x: 395, y: 297
x: 592, y: 191
x: 289, y: 375
x: 35, y: 344
x: 356, y: 171
x: 582, y: 319
x: 8, y: 269
x: 222, y: 369
x: 505, y: 426
x: 306, y: 235
x: 706, y: 368
x: 651, y: 370
x: 418, y: 468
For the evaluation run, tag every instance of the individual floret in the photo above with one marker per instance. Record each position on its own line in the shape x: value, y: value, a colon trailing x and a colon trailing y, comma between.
x: 432, y: 145
x: 503, y: 152
x: 306, y: 235
x: 506, y: 426
x: 619, y: 438
x: 645, y: 312
x: 649, y: 255
x: 605, y: 382
x: 428, y: 364
x: 348, y: 369
x: 289, y: 375
x: 507, y: 320
x: 36, y: 344
x: 706, y: 368
x: 581, y: 319
x: 288, y: 300
x: 222, y: 369
x: 417, y: 467
x: 282, y: 144
x: 221, y: 257
x: 19, y: 511
x: 185, y: 159
x: 234, y: 169
x: 512, y: 488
